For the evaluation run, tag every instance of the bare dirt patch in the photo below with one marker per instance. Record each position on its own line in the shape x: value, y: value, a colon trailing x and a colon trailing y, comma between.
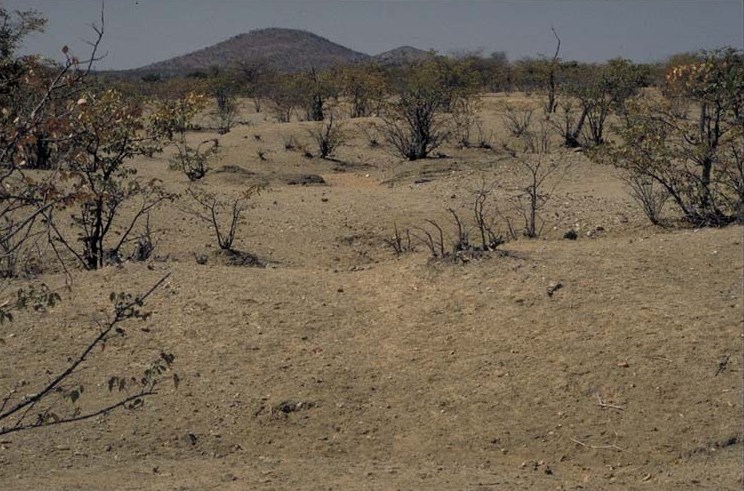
x: 349, y: 367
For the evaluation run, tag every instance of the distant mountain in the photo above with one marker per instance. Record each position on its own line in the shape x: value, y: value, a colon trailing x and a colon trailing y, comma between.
x: 288, y: 50
x: 402, y: 55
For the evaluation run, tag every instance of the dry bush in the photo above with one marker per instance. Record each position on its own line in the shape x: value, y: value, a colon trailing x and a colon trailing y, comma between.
x: 224, y: 215
x: 517, y: 120
x: 328, y: 135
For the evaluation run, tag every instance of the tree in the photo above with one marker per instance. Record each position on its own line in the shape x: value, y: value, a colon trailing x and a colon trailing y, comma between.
x: 54, y: 104
x: 552, y: 67
x: 696, y: 155
x: 600, y: 91
x: 109, y: 132
x: 255, y: 78
x: 284, y: 97
x: 226, y: 106
x: 365, y: 88
x: 414, y: 125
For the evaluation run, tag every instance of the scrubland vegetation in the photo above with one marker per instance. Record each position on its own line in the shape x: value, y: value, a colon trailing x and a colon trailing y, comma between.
x: 437, y: 249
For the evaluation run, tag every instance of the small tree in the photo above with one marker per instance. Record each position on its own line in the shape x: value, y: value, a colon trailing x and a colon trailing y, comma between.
x: 466, y: 121
x: 602, y: 91
x: 226, y: 107
x: 111, y: 131
x: 284, y: 97
x: 254, y: 76
x: 413, y: 122
x: 537, y: 166
x: 193, y: 161
x: 695, y: 155
x: 365, y: 88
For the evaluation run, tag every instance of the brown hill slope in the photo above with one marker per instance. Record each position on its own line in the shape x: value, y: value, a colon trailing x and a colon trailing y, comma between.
x: 287, y: 49
x: 402, y: 55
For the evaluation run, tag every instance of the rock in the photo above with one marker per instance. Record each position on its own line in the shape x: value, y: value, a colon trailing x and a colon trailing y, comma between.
x: 553, y: 287
x: 305, y: 180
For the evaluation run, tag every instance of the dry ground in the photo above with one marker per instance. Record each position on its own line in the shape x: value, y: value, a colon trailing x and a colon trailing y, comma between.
x: 400, y: 373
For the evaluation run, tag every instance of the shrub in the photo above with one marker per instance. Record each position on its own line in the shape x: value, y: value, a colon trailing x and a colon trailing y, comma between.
x: 329, y: 136
x: 695, y: 156
x: 213, y: 210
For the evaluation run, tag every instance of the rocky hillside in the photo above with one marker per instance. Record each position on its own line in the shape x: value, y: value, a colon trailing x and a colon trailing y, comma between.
x: 288, y: 50
x: 402, y: 55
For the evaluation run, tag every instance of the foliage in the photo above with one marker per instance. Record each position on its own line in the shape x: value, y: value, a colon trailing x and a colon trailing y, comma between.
x: 109, y: 132
x: 696, y: 156
x: 226, y: 107
x: 414, y: 125
x: 57, y: 401
x: 365, y: 87
x: 193, y: 161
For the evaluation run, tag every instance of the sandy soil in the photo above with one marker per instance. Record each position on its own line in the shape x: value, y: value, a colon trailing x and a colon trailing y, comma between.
x: 344, y: 366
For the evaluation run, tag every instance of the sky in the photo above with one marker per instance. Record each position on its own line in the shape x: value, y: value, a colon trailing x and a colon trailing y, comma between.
x: 139, y: 32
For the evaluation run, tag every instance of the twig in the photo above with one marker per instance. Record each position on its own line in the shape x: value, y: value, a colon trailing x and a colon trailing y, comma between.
x: 602, y: 403
x: 597, y: 447
x: 105, y: 410
x: 722, y: 365
x: 120, y: 314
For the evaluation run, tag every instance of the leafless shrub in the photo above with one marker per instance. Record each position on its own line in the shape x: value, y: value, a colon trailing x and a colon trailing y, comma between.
x: 144, y: 247
x: 371, y: 133
x: 290, y: 143
x: 213, y: 210
x: 194, y: 161
x: 517, y: 121
x: 649, y: 195
x: 328, y: 135
x: 457, y: 245
x: 226, y: 108
x: 541, y: 171
x: 400, y: 243
x: 465, y: 120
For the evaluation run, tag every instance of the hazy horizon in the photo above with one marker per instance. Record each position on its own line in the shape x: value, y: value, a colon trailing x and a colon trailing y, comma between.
x: 140, y: 32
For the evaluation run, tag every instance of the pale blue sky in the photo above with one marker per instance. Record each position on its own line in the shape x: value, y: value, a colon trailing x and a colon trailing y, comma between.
x: 139, y: 32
